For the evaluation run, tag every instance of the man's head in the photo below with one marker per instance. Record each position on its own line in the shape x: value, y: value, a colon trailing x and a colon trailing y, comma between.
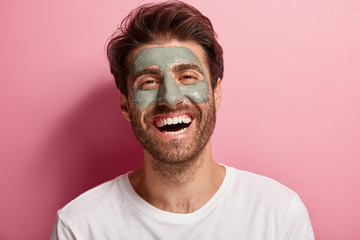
x: 168, y: 66
x: 160, y: 23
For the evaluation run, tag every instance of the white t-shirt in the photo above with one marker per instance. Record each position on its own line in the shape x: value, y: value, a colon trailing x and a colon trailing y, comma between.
x: 246, y: 206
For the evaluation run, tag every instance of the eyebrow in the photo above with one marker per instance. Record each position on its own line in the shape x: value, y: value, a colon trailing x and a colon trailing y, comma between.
x: 186, y: 66
x: 147, y: 71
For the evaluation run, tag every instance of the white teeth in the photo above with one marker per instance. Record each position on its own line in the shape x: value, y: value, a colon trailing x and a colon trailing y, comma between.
x: 160, y: 122
x: 183, y: 119
x: 175, y: 133
x: 187, y: 120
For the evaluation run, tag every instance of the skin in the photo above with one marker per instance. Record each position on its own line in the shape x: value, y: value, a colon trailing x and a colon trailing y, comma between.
x: 186, y: 182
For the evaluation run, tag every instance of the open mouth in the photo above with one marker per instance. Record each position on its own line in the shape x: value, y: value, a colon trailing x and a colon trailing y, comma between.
x: 173, y: 125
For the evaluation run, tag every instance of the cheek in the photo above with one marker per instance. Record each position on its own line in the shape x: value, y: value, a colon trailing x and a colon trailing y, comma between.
x: 197, y: 92
x: 144, y: 99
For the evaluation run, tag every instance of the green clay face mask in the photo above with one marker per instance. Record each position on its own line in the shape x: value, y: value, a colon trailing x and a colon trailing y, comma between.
x: 165, y: 62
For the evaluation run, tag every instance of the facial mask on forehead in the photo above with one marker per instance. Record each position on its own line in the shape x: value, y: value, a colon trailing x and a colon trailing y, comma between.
x: 169, y: 91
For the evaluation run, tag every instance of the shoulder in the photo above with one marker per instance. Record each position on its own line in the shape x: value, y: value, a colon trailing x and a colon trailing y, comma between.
x: 255, y: 183
x: 95, y: 201
x: 269, y: 203
x: 260, y: 192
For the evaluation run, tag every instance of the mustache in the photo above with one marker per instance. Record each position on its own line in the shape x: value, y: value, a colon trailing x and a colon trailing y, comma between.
x: 162, y: 109
x: 166, y: 109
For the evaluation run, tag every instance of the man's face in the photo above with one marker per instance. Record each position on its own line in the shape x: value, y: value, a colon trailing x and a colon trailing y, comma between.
x: 171, y: 104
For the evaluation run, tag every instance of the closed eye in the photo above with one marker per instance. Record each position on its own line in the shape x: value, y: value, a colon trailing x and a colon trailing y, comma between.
x: 187, y: 79
x: 147, y: 78
x: 146, y: 82
x: 187, y: 73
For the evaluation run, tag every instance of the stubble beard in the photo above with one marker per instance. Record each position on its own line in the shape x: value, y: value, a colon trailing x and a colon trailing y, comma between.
x: 176, y: 159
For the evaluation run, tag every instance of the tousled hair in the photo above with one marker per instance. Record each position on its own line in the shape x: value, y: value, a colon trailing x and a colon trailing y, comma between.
x: 161, y: 22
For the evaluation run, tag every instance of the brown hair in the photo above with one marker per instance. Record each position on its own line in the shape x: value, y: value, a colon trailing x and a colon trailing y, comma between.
x: 150, y: 23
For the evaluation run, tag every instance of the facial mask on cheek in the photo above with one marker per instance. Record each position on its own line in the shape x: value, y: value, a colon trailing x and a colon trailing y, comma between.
x: 144, y: 98
x: 169, y: 91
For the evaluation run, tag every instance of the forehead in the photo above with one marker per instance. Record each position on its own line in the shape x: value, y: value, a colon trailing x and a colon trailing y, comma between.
x: 164, y: 56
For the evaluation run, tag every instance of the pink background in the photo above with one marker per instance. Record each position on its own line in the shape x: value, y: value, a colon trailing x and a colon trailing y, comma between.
x: 290, y: 111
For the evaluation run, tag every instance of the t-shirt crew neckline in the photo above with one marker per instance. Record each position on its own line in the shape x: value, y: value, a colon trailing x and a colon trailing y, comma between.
x: 178, y: 218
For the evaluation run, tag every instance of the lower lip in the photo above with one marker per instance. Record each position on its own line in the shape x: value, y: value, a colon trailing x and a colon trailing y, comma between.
x: 168, y: 136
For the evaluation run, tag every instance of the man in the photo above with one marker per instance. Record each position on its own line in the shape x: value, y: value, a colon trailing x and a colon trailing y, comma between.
x: 168, y: 66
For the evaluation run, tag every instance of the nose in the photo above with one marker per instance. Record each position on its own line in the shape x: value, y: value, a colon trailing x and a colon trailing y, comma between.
x: 169, y: 92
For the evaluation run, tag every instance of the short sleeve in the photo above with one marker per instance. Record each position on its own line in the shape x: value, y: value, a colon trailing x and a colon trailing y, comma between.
x: 296, y: 222
x: 60, y: 231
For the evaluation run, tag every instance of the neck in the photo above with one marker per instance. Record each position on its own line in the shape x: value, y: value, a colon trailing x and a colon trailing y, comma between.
x: 179, y: 188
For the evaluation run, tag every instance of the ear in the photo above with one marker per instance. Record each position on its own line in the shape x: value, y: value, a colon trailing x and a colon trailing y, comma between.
x: 124, y: 105
x: 217, y: 94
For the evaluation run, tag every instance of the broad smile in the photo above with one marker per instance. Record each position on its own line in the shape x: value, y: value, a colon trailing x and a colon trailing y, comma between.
x: 173, y: 125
